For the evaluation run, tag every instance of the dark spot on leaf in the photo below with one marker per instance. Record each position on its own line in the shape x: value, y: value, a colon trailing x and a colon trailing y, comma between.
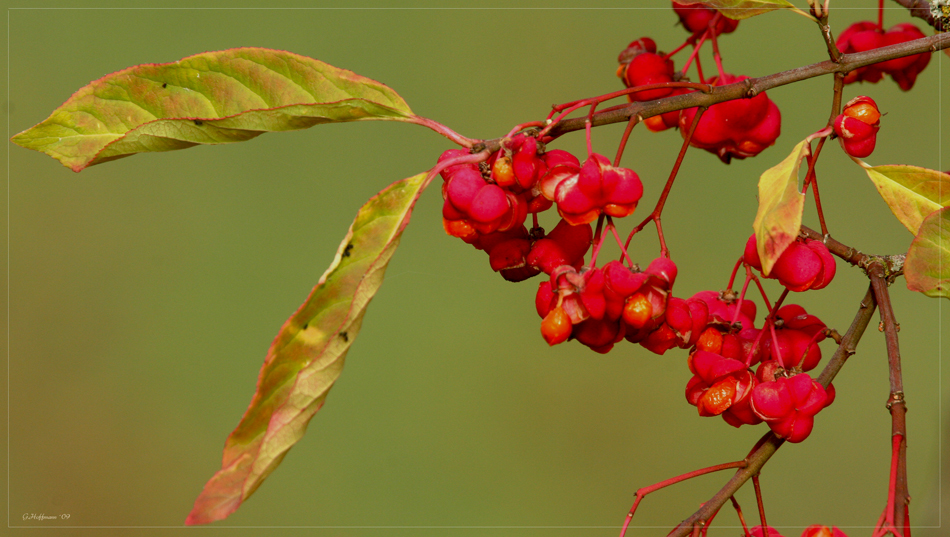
x: 344, y: 336
x: 165, y: 84
x: 347, y: 250
x: 198, y: 122
x: 305, y: 325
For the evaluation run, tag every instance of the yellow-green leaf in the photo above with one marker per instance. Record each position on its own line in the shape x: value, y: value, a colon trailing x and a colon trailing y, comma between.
x: 927, y: 267
x: 307, y: 355
x: 779, y: 217
x: 742, y: 9
x: 911, y: 192
x: 210, y: 98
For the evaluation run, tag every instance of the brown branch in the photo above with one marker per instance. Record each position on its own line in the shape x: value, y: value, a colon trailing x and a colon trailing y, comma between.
x: 821, y: 17
x: 770, y: 443
x: 898, y: 494
x: 746, y: 88
x: 921, y: 10
x: 893, y: 264
x: 849, y: 254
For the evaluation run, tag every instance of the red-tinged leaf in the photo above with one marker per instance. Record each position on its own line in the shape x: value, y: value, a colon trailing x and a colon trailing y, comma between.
x: 210, y: 98
x: 779, y: 217
x: 927, y: 267
x: 307, y: 355
x: 911, y: 192
x: 742, y: 9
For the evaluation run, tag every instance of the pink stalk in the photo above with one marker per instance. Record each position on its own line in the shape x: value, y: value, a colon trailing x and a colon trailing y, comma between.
x: 641, y: 493
x: 623, y: 251
x: 443, y: 130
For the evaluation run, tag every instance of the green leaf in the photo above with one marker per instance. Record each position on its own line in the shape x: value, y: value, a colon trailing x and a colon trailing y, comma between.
x: 779, y: 218
x: 307, y: 355
x: 210, y: 98
x: 911, y: 192
x: 927, y: 267
x: 742, y: 9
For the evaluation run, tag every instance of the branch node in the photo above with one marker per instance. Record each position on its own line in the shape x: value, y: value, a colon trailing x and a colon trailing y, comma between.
x: 834, y: 335
x: 897, y: 398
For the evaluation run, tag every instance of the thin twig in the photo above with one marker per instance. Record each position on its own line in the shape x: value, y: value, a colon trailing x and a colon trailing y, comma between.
x: 746, y: 88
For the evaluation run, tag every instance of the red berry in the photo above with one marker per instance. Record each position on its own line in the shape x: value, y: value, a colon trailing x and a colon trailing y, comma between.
x: 635, y: 48
x: 696, y: 18
x: 802, y: 266
x: 817, y: 530
x: 721, y: 386
x: 710, y: 340
x: 556, y: 326
x: 502, y: 172
x: 739, y: 128
x: 789, y: 405
x: 758, y: 531
x: 644, y: 69
x: 857, y: 126
x: 866, y: 35
x: 564, y: 245
x: 718, y: 397
x: 599, y: 334
x: 637, y: 311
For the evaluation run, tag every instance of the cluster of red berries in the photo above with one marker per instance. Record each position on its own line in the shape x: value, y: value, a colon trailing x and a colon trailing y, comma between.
x: 736, y: 129
x: 866, y: 35
x: 601, y: 306
x: 745, y: 374
x: 778, y: 391
x: 487, y: 206
x: 857, y: 126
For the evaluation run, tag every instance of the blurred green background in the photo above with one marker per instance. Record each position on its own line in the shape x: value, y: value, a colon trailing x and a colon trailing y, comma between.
x: 144, y: 293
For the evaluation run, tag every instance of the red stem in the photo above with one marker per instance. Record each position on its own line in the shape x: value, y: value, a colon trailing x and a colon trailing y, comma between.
x: 776, y: 347
x: 758, y: 499
x: 745, y: 287
x: 598, y: 241
x: 765, y: 297
x: 623, y: 140
x: 695, y: 54
x: 735, y: 505
x: 812, y: 179
x: 464, y: 159
x: 892, y: 481
x: 641, y: 493
x: 689, y: 41
x: 443, y: 130
x: 623, y: 251
x: 709, y: 521
x: 735, y: 270
x: 523, y: 126
x: 658, y: 209
x: 715, y: 44
x: 567, y: 109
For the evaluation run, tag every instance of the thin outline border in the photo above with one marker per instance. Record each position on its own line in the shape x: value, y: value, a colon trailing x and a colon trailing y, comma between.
x: 209, y: 526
